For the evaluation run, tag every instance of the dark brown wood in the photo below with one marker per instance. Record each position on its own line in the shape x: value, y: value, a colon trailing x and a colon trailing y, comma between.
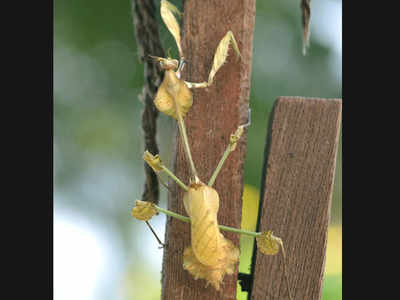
x: 298, y: 180
x: 216, y: 113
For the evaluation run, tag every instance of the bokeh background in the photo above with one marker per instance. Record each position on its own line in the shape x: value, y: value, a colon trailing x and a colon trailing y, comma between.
x: 100, y: 251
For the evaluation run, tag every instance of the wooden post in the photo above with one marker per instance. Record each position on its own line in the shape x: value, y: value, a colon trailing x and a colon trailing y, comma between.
x: 216, y: 113
x: 296, y: 196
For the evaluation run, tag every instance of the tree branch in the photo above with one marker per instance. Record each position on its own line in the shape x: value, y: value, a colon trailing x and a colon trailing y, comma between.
x: 148, y: 41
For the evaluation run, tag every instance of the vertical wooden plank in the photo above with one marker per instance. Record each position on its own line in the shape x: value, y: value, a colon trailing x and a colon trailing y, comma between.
x: 216, y: 113
x: 298, y: 181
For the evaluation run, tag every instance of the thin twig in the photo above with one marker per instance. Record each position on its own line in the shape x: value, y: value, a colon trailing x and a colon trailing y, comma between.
x: 148, y: 41
x: 305, y: 14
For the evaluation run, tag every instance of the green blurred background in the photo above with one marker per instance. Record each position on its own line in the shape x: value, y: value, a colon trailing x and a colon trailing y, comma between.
x: 100, y: 251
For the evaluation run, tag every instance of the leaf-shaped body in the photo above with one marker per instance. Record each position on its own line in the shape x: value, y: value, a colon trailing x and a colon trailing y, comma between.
x: 210, y: 255
x: 173, y: 89
x: 201, y: 204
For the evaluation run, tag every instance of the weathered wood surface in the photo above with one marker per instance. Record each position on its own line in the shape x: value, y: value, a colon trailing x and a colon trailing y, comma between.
x: 297, y: 184
x: 216, y: 113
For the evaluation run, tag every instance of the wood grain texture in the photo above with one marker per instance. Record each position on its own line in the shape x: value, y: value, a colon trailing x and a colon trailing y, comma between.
x: 216, y: 113
x: 298, y: 181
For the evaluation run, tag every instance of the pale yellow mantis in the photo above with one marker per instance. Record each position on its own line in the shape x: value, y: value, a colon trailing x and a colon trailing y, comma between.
x: 210, y: 256
x: 174, y: 97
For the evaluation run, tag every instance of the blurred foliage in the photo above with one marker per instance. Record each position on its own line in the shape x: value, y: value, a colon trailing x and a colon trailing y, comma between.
x: 98, y: 167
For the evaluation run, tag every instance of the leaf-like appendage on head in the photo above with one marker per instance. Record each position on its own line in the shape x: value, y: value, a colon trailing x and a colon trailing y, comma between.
x: 143, y: 210
x: 268, y: 243
x: 167, y: 14
x: 154, y: 161
x: 171, y: 7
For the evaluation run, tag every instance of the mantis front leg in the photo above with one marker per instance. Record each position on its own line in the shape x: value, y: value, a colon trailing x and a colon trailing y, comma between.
x: 182, y: 130
x: 219, y: 59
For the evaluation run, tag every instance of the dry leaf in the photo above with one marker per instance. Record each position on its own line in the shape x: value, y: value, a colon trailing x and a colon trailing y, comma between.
x: 173, y: 89
x: 167, y: 13
x: 268, y: 243
x: 211, y: 255
x: 222, y: 52
x: 154, y: 161
x: 143, y: 210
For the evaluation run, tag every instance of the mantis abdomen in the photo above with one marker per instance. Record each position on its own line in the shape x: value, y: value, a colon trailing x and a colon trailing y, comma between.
x: 202, y: 204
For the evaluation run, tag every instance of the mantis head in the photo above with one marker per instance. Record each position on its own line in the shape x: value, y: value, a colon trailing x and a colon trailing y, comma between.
x: 166, y: 63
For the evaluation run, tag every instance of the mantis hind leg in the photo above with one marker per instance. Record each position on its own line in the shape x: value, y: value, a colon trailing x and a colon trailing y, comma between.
x: 231, y: 147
